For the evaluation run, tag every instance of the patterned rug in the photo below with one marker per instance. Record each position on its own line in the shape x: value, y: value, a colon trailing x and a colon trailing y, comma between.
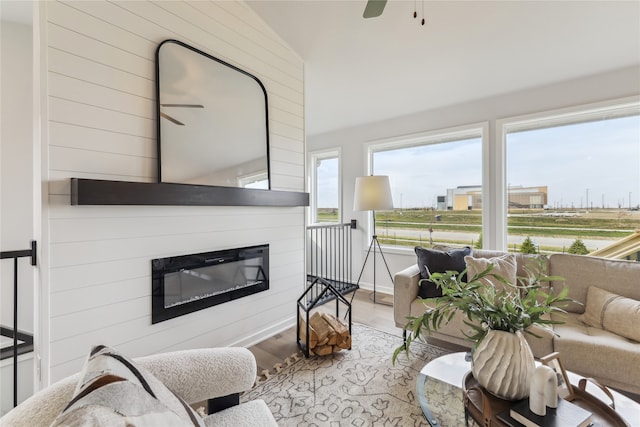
x: 357, y: 387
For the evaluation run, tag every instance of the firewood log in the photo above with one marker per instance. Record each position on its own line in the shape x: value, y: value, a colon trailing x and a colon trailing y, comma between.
x: 319, y: 325
x: 336, y: 325
x: 323, y: 350
x: 327, y: 334
x: 313, y: 335
x: 346, y: 344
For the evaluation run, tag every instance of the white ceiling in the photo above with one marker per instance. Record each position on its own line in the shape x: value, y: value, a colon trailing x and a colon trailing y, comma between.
x: 360, y: 70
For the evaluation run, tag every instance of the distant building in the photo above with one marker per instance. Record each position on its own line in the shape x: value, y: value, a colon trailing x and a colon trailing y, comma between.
x: 527, y: 197
x: 470, y: 198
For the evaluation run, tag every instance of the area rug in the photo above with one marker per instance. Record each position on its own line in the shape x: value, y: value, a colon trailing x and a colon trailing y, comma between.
x: 357, y: 387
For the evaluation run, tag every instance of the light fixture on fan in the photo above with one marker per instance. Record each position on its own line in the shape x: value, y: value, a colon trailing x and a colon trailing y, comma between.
x: 415, y: 11
x: 374, y: 8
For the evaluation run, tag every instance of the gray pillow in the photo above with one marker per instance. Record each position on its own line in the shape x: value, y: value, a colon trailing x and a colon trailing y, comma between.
x: 435, y: 261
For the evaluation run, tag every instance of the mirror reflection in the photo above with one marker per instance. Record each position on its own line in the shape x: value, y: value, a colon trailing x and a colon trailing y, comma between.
x: 212, y: 121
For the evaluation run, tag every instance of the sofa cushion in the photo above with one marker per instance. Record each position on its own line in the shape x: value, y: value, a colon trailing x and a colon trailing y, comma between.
x: 113, y: 391
x: 540, y: 339
x: 454, y: 330
x: 436, y: 261
x: 597, y: 353
x: 504, y: 266
x: 615, y: 313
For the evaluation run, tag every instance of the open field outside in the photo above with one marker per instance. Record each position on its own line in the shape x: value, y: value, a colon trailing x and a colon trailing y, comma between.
x: 550, y: 230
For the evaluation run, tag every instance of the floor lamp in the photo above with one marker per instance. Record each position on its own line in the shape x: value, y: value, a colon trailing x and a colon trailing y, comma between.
x: 373, y: 193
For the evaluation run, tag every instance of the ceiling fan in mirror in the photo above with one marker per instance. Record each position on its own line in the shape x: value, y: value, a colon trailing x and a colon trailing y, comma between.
x: 374, y: 8
x: 172, y: 119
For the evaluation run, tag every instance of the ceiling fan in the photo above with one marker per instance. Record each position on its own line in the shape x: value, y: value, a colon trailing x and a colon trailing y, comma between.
x: 374, y: 8
x: 173, y: 120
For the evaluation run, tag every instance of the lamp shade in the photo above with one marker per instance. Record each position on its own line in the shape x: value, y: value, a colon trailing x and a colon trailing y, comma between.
x: 372, y: 193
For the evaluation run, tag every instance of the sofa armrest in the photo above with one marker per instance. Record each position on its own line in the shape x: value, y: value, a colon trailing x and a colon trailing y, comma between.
x: 195, y: 375
x: 405, y: 291
x: 202, y: 374
x: 42, y: 408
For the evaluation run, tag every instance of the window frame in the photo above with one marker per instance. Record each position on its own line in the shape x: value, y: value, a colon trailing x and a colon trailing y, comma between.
x: 546, y: 119
x: 314, y: 156
x: 438, y: 136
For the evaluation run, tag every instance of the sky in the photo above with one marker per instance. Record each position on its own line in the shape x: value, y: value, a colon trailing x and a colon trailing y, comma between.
x: 419, y: 174
x: 597, y: 160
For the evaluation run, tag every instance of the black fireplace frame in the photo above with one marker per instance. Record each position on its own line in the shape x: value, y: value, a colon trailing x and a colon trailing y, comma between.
x: 162, y: 266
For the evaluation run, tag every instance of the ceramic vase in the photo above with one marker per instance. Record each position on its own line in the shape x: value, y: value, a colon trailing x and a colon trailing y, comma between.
x: 503, y: 364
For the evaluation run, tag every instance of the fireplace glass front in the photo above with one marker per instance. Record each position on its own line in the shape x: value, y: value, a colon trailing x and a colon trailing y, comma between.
x: 187, y: 283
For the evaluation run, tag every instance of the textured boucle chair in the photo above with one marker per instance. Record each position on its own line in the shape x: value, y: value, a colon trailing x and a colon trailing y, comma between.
x: 216, y: 375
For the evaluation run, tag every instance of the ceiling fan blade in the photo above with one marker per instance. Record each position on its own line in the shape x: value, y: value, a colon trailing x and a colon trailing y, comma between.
x: 183, y: 105
x: 374, y: 8
x: 171, y: 119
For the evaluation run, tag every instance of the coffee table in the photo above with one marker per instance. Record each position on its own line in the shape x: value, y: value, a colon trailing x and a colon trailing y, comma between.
x: 439, y: 391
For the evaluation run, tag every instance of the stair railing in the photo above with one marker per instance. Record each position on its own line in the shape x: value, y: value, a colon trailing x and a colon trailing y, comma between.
x: 26, y: 339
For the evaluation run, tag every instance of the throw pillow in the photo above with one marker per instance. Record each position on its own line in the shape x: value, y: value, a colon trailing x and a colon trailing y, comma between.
x: 504, y: 266
x: 435, y: 261
x: 113, y: 391
x: 612, y: 312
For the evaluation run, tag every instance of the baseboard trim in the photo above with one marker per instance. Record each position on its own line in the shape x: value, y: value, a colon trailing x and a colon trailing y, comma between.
x: 382, y: 289
x: 265, y: 333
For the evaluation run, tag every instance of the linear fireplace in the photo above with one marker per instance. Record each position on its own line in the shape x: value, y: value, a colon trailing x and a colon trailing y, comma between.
x: 187, y: 283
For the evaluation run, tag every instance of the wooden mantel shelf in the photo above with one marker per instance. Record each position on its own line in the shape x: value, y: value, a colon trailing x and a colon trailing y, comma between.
x: 102, y: 192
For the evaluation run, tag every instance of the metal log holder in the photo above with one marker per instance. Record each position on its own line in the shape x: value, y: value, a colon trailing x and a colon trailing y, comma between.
x: 317, y: 293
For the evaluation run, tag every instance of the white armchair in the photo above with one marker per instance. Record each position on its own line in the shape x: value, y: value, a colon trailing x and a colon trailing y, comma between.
x: 216, y: 375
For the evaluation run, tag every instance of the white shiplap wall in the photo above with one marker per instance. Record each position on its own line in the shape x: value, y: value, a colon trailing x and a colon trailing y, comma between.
x: 101, y: 124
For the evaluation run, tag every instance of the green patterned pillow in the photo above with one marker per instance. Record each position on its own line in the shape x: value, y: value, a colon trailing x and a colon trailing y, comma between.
x: 113, y: 391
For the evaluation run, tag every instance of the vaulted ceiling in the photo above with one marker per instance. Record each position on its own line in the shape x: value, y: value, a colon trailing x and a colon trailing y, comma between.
x: 360, y: 70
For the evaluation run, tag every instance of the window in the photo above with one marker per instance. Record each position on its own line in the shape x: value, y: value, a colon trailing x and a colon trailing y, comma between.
x: 573, y: 180
x: 325, y: 187
x: 436, y: 182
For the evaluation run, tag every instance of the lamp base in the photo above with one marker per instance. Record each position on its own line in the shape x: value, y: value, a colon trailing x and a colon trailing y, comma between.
x: 381, y: 298
x: 373, y: 245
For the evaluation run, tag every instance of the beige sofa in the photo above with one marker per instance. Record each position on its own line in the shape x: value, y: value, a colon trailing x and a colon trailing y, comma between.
x: 586, y: 350
x: 214, y: 374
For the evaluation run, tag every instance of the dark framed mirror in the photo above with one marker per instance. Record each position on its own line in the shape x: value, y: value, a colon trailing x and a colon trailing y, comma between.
x: 212, y: 120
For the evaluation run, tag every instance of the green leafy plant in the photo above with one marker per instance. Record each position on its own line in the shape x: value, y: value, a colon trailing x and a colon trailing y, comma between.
x: 514, y: 308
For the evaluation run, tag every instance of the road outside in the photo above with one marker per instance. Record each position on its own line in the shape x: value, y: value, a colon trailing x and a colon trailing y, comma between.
x: 421, y: 237
x: 550, y: 230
